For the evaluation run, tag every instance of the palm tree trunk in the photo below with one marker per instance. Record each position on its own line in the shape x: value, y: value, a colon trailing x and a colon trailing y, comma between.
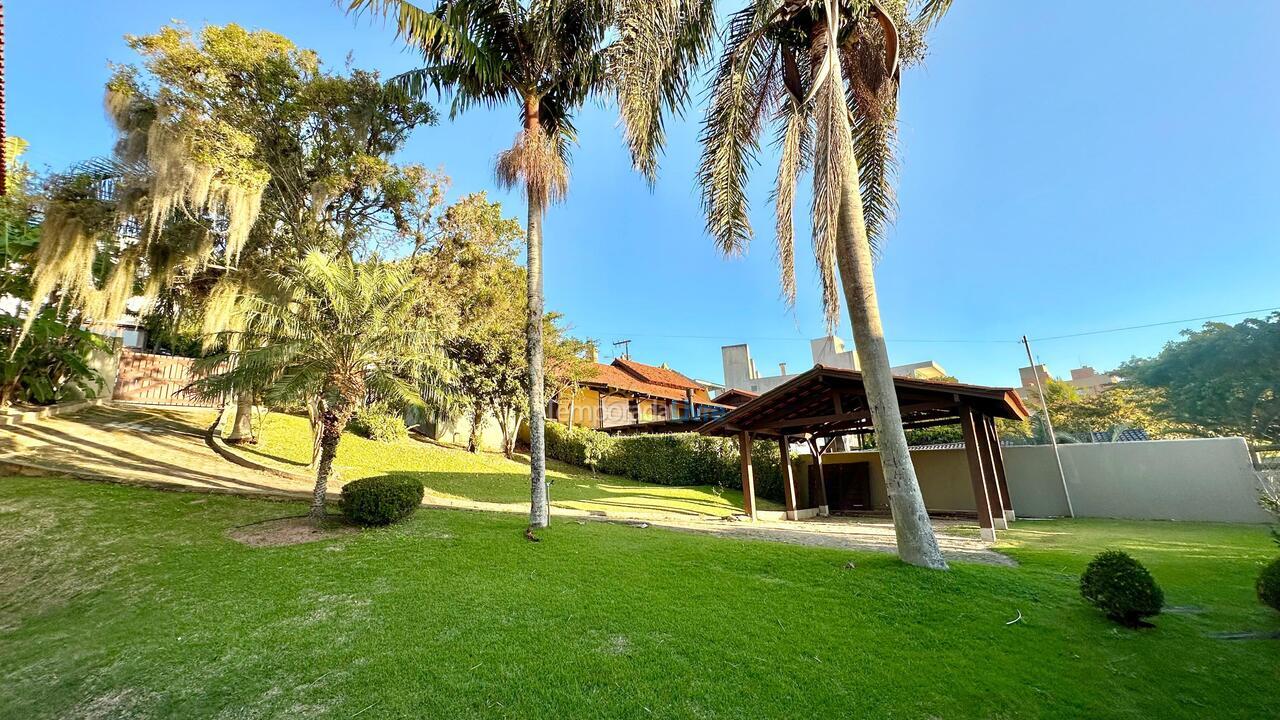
x: 539, y: 515
x: 242, y: 428
x: 332, y: 423
x: 315, y: 415
x: 917, y: 544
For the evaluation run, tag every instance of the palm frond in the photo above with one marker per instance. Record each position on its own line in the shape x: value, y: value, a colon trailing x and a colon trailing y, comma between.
x: 651, y: 64
x: 929, y: 12
x: 730, y: 129
x: 833, y: 155
x: 794, y: 148
x: 440, y: 34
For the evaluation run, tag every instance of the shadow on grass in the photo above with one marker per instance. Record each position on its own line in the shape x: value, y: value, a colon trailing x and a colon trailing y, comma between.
x: 513, y: 488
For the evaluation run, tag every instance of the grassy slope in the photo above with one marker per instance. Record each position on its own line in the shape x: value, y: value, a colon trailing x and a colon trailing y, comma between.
x: 119, y: 601
x: 491, y: 477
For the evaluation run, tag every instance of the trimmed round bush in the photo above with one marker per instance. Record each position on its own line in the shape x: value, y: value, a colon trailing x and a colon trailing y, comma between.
x: 1269, y: 584
x: 1121, y: 588
x: 380, y: 500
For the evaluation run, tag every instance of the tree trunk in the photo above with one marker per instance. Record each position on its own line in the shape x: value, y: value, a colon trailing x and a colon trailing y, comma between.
x: 539, y: 514
x: 477, y: 423
x: 242, y: 428
x: 917, y: 544
x: 333, y: 420
x: 510, y: 430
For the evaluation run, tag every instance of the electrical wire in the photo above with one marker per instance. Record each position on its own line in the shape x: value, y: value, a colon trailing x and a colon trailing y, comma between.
x: 978, y: 341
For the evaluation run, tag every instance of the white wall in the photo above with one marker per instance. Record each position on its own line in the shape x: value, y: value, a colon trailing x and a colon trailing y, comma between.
x: 1209, y: 479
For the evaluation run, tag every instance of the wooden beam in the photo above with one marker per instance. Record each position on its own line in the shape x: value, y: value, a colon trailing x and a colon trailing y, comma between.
x: 989, y: 473
x: 748, y: 479
x: 801, y: 422
x: 998, y: 456
x: 788, y: 476
x: 980, y: 501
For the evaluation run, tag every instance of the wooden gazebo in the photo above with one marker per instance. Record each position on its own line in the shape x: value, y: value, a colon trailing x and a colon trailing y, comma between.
x: 821, y: 404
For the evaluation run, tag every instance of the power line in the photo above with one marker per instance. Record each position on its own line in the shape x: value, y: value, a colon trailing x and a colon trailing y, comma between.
x: 968, y: 341
x: 1155, y: 324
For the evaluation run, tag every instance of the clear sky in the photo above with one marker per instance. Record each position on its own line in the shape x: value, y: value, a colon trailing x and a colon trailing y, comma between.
x: 1065, y: 168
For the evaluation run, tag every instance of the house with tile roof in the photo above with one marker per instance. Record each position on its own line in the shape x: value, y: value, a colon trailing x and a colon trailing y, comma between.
x: 630, y: 395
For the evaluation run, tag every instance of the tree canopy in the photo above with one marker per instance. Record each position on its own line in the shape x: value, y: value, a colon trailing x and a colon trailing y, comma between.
x: 1222, y: 378
x: 237, y: 153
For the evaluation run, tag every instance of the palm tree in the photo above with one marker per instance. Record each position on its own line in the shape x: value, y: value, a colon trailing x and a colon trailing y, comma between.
x: 827, y: 73
x: 334, y: 333
x: 548, y: 57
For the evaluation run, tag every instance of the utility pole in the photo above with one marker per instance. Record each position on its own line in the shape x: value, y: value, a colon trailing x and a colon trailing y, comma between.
x: 1048, y: 421
x: 626, y: 348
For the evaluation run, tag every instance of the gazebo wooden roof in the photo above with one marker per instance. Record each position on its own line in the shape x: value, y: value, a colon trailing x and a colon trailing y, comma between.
x: 826, y: 402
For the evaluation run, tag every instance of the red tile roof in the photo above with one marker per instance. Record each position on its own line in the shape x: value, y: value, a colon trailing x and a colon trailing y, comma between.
x: 657, y: 375
x: 615, y: 378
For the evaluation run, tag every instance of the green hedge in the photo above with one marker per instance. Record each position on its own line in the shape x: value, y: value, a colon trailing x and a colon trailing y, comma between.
x: 1269, y: 584
x: 667, y: 459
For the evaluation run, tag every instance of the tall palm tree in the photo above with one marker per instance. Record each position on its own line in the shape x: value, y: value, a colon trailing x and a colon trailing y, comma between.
x: 826, y: 72
x: 333, y: 333
x: 547, y: 57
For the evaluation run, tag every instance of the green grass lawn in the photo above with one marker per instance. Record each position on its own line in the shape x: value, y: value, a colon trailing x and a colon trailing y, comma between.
x: 490, y: 477
x: 127, y: 602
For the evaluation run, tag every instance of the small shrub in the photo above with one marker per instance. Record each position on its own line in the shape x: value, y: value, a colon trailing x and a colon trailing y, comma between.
x: 1121, y: 587
x: 378, y: 422
x: 1269, y: 584
x: 380, y: 500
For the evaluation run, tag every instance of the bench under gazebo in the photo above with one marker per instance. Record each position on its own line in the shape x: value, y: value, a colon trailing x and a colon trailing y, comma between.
x: 826, y: 403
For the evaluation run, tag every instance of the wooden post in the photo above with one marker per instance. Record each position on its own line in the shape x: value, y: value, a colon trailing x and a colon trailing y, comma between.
x: 980, y: 501
x: 823, y: 509
x: 987, y: 454
x: 997, y: 454
x: 748, y: 479
x: 788, y: 477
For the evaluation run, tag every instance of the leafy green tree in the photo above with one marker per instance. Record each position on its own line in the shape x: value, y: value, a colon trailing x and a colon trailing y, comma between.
x: 547, y: 58
x: 1224, y: 379
x: 827, y: 72
x: 478, y: 292
x: 236, y: 154
x: 332, y: 333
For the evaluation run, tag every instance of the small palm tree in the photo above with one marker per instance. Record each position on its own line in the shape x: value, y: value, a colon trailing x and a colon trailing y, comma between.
x: 547, y: 57
x: 334, y: 333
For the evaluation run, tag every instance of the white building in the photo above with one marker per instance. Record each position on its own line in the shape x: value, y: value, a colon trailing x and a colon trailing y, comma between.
x: 740, y: 369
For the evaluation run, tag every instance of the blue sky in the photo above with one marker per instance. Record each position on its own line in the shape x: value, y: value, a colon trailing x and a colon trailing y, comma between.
x: 1063, y: 171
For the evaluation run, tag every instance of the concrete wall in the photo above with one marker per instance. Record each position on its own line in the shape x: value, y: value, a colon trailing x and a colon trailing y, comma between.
x: 1204, y: 479
x: 1207, y: 479
x: 457, y: 430
x: 943, y: 476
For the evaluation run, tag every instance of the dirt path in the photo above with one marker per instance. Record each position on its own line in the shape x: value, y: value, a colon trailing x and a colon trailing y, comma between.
x: 165, y: 447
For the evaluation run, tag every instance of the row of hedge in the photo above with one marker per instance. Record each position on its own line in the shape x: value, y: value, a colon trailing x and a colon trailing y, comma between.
x: 667, y: 459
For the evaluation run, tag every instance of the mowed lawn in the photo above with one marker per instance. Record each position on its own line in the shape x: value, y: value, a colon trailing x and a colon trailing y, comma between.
x: 490, y: 477
x: 127, y: 602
